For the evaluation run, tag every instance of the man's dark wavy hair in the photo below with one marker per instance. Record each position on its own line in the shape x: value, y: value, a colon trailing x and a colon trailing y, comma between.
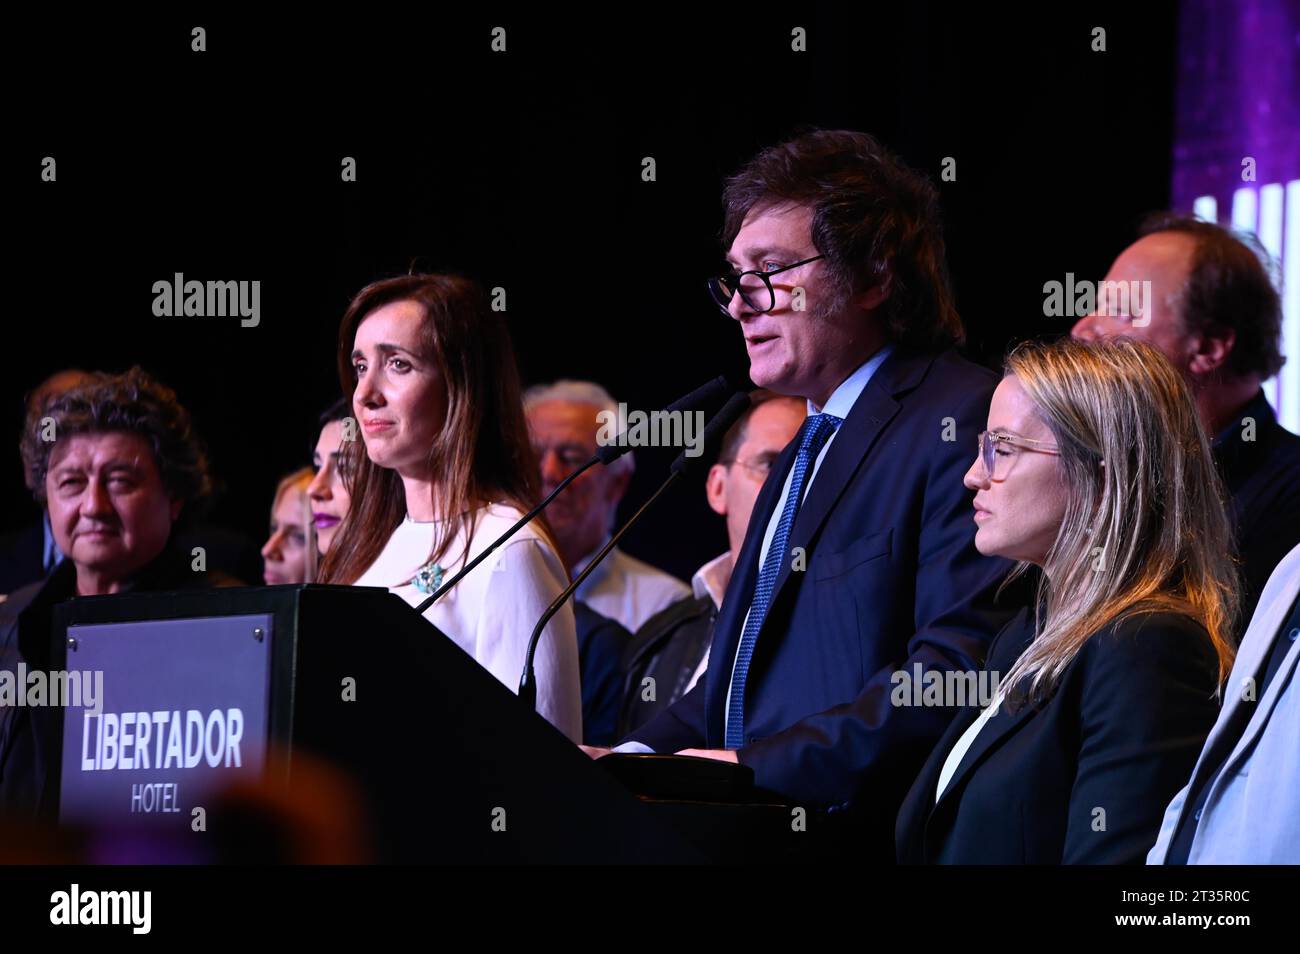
x: 1229, y: 288
x: 874, y: 219
x: 131, y: 402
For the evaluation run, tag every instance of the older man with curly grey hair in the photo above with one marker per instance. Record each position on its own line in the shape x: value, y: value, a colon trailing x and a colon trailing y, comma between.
x: 115, y: 461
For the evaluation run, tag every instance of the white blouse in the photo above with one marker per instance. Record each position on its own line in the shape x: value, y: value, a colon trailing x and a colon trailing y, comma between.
x: 492, y: 611
x: 967, y: 739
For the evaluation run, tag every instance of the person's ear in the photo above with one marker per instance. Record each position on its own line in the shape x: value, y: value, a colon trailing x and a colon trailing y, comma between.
x: 877, y: 294
x: 176, y: 507
x: 715, y: 489
x: 1211, y: 351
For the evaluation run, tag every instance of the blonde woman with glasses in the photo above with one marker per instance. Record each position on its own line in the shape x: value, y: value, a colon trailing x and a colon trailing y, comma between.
x: 1095, y: 470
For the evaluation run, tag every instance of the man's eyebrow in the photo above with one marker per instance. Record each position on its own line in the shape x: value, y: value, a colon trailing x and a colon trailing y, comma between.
x: 111, y: 467
x: 754, y: 254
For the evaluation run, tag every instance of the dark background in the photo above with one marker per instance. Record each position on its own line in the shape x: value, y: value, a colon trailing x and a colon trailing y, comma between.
x: 523, y: 169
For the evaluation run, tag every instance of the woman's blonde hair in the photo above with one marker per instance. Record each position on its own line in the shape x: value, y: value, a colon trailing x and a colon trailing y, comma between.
x: 1145, y: 527
x: 299, y: 480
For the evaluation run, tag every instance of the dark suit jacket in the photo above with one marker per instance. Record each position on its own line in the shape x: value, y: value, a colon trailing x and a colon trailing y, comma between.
x: 22, y: 557
x: 601, y: 644
x: 667, y: 648
x: 1263, y: 480
x: 28, y: 741
x: 891, y: 578
x: 1119, y: 736
x: 22, y: 553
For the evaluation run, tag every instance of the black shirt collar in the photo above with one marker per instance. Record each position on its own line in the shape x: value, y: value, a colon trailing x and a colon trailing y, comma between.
x: 1233, y: 454
x: 1257, y: 409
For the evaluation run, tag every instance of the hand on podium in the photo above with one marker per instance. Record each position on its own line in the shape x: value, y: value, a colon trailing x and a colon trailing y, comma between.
x: 722, y: 755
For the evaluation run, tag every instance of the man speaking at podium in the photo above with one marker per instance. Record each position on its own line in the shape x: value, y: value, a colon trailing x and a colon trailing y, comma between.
x: 859, y: 561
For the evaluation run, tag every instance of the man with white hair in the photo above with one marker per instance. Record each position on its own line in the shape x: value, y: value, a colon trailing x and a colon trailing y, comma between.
x: 563, y: 419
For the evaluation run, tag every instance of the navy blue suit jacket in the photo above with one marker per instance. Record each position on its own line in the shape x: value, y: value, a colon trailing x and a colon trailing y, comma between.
x: 891, y: 578
x: 601, y: 643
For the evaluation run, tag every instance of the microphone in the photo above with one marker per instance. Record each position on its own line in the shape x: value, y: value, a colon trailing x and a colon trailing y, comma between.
x: 713, y: 433
x: 706, y: 394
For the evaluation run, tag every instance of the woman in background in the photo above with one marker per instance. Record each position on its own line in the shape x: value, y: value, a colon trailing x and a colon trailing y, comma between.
x: 328, y: 490
x: 1094, y: 468
x: 444, y: 466
x: 289, y: 555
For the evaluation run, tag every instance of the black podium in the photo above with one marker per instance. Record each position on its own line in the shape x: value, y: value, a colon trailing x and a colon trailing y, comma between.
x: 207, y: 686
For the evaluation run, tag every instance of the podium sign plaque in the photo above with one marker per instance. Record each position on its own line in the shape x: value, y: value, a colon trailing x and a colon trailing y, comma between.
x: 184, y: 709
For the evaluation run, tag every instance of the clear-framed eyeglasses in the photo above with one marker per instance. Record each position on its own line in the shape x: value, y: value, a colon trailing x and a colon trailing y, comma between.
x: 997, y: 451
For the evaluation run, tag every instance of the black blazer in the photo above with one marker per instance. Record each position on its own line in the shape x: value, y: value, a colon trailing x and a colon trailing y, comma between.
x: 889, y: 578
x: 22, y: 557
x: 601, y: 643
x: 1263, y: 480
x: 1083, y: 778
x: 667, y: 648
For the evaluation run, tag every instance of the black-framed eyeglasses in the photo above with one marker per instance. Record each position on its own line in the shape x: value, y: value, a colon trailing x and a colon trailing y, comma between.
x: 755, y: 287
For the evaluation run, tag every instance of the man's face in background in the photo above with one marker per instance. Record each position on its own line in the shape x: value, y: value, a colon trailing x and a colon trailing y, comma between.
x: 733, y: 484
x: 564, y: 438
x: 1165, y: 260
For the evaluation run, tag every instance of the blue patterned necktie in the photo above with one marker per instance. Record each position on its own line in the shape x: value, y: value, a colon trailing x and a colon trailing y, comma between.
x: 815, y: 433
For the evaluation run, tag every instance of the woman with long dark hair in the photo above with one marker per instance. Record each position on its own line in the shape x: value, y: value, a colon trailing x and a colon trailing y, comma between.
x: 443, y: 466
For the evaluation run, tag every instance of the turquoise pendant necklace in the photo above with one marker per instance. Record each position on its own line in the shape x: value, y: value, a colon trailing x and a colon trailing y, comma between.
x: 428, y: 577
